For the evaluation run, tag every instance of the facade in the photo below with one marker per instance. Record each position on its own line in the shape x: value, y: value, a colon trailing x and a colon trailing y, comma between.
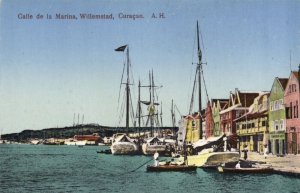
x: 209, y: 123
x: 277, y: 118
x: 291, y: 102
x: 238, y: 104
x: 191, y: 123
x: 217, y: 106
x: 252, y: 127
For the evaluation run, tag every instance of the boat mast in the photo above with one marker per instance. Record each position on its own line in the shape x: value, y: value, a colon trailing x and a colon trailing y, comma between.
x: 127, y: 92
x: 199, y: 68
x: 139, y: 106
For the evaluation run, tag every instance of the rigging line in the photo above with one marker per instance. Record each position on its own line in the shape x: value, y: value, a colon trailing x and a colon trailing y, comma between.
x: 201, y: 40
x: 191, y: 69
x: 132, y: 111
x: 121, y: 85
x: 122, y: 108
x: 193, y: 92
x: 204, y: 85
x: 178, y: 110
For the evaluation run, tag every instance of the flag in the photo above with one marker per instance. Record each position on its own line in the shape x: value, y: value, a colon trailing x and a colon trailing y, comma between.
x: 121, y: 49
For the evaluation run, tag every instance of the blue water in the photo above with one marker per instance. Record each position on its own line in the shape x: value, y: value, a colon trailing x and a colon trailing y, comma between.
x: 41, y: 168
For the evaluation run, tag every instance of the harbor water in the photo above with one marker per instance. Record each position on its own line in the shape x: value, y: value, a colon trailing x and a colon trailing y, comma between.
x: 42, y: 168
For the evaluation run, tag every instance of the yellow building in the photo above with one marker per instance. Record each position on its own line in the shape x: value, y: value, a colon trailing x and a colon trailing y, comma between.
x: 192, y: 128
x: 252, y: 127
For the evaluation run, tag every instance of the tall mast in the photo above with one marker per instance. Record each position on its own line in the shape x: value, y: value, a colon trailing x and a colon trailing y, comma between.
x: 139, y: 107
x: 199, y: 68
x: 127, y: 93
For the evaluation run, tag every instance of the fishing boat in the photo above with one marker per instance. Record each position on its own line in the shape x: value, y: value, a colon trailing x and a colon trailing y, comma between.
x: 123, y: 145
x: 171, y: 168
x: 245, y: 170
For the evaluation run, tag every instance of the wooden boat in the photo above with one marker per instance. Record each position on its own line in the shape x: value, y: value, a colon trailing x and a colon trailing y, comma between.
x: 171, y: 168
x: 245, y: 170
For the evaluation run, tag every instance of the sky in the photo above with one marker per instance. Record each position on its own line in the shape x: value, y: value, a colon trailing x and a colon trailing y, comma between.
x: 53, y: 69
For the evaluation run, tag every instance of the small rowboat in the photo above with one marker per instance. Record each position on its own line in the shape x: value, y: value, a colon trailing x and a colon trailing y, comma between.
x: 171, y: 168
x: 246, y: 170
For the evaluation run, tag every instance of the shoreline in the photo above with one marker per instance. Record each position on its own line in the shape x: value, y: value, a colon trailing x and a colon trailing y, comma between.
x: 286, y: 165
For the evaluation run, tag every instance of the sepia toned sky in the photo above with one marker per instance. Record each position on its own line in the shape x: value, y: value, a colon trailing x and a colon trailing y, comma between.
x: 51, y: 69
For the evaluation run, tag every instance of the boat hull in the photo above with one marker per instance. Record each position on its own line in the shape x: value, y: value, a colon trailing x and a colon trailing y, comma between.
x: 171, y: 168
x: 212, y: 158
x: 124, y: 148
x: 151, y: 149
x: 245, y: 170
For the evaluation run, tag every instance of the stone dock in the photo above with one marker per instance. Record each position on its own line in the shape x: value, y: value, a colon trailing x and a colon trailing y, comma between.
x: 288, y: 164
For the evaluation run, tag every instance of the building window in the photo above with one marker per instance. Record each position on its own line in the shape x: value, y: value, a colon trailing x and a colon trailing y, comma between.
x: 263, y: 123
x: 297, y: 115
x: 276, y: 126
x: 288, y: 112
x: 243, y: 126
x: 271, y: 106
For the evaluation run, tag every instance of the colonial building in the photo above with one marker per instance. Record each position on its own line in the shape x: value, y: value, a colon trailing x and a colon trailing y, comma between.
x: 191, y: 122
x: 252, y: 127
x: 238, y: 104
x: 209, y: 124
x: 217, y: 106
x: 291, y: 101
x: 277, y: 120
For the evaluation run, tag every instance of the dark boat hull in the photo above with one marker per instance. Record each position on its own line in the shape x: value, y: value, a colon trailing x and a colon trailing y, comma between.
x: 171, y: 168
x: 245, y: 170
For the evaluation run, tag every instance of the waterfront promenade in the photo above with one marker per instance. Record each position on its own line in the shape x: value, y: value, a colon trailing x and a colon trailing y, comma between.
x: 288, y: 164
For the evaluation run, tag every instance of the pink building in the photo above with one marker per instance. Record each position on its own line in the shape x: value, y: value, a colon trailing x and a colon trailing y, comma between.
x: 291, y: 102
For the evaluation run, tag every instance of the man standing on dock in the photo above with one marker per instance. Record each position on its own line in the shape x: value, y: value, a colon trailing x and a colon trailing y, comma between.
x: 156, y: 161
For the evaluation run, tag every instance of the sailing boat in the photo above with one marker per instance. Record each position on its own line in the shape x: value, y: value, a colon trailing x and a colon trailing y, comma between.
x: 122, y: 144
x: 202, y: 152
x: 154, y: 143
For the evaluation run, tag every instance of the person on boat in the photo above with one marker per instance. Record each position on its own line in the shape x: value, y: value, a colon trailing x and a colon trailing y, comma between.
x: 245, y: 151
x: 156, y: 161
x: 238, y: 165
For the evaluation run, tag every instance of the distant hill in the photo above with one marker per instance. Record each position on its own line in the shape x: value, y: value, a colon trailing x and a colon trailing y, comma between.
x: 68, y: 132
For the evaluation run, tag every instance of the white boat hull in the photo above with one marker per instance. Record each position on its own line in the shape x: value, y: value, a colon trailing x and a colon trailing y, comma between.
x: 124, y: 148
x: 212, y: 158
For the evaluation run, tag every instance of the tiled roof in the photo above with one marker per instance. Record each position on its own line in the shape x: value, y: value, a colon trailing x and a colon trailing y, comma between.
x: 296, y: 74
x: 247, y: 98
x: 283, y: 82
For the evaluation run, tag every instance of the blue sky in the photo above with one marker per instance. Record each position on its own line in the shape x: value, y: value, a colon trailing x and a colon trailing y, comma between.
x: 51, y: 69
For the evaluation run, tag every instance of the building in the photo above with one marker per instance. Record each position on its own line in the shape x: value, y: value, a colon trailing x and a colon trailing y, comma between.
x: 209, y: 124
x: 238, y: 104
x: 191, y: 122
x: 252, y: 127
x: 291, y: 102
x: 277, y: 118
x: 217, y: 106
